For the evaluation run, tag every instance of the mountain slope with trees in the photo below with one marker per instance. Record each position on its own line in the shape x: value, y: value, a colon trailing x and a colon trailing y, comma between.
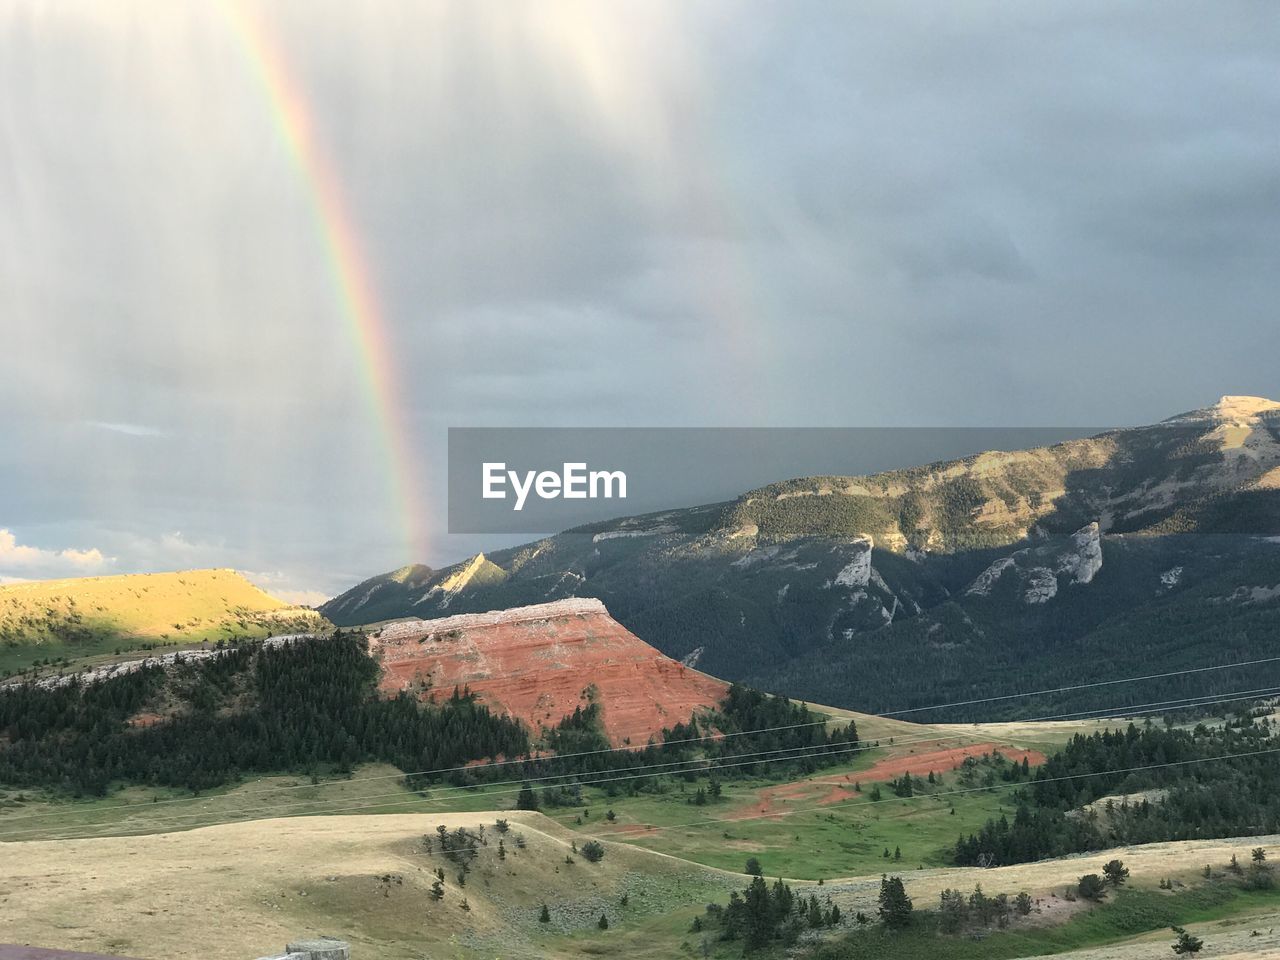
x: 986, y: 573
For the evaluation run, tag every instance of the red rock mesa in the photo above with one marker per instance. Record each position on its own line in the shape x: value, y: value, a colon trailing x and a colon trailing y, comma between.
x: 538, y: 663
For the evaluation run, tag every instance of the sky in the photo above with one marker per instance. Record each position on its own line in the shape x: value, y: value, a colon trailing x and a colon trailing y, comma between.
x: 645, y: 213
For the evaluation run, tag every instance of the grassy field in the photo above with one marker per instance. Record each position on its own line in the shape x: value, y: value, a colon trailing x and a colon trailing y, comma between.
x: 368, y: 879
x: 96, y: 618
x: 1143, y: 916
x: 813, y: 827
x: 243, y: 890
x: 803, y: 840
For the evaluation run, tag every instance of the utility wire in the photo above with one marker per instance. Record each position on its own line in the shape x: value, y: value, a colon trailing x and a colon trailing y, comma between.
x: 709, y: 767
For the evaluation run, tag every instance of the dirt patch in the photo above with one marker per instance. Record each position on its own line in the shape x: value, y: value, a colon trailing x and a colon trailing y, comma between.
x: 941, y: 761
x: 773, y: 802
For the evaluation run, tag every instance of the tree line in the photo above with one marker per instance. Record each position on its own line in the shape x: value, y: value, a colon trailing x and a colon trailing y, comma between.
x: 1155, y: 784
x: 305, y: 706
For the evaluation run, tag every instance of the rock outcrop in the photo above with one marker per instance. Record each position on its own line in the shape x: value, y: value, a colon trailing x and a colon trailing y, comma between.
x: 1077, y: 559
x: 538, y: 663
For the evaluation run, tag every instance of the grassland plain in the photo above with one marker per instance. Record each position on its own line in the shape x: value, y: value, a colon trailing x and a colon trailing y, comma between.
x: 96, y: 618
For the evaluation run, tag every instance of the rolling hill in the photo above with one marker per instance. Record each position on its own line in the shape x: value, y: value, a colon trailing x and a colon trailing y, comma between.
x: 366, y: 878
x: 52, y: 620
x: 987, y: 573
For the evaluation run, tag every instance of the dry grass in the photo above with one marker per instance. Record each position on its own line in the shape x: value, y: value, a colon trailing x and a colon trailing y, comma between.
x: 242, y: 890
x: 1148, y: 864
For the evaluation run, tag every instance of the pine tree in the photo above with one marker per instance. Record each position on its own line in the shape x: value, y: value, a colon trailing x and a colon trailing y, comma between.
x: 1091, y: 887
x: 1116, y: 872
x: 526, y: 799
x: 895, y: 905
x: 1186, y: 943
x: 545, y: 915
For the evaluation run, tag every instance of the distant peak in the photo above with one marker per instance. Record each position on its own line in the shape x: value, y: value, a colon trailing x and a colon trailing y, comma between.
x: 1245, y: 406
x: 1231, y: 408
x: 411, y: 572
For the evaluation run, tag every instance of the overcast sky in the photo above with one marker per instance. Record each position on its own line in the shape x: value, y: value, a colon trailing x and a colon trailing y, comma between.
x: 647, y: 213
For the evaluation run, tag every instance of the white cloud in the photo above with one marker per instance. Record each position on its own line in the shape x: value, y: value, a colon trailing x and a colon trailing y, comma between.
x: 284, y: 587
x: 128, y: 429
x: 301, y: 598
x: 20, y: 561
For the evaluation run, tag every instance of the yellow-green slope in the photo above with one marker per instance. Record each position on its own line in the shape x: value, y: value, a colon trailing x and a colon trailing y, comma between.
x: 94, y: 616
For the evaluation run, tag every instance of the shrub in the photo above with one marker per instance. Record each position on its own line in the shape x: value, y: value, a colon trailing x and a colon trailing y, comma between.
x: 1091, y: 887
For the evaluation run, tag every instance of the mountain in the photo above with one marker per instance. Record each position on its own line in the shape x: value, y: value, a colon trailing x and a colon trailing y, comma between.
x: 51, y: 620
x: 540, y: 663
x: 985, y: 574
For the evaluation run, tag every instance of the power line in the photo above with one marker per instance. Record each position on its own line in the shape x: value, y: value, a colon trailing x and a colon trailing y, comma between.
x: 855, y: 802
x: 707, y: 768
x: 483, y: 794
x: 946, y: 793
x: 1129, y: 710
x: 1080, y: 686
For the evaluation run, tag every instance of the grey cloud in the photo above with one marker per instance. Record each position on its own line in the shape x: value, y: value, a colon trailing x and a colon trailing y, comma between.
x: 578, y: 213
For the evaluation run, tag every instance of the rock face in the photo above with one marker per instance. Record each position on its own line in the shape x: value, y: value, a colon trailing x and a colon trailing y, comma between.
x: 538, y: 663
x: 1077, y: 559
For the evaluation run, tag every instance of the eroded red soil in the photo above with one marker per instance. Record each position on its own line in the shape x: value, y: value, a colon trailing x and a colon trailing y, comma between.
x: 539, y: 663
x: 834, y: 788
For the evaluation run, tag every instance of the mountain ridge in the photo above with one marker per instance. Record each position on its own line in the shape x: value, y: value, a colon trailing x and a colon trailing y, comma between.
x: 789, y: 585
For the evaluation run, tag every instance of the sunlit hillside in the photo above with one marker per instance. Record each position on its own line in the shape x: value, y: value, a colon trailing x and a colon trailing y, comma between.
x: 54, y: 620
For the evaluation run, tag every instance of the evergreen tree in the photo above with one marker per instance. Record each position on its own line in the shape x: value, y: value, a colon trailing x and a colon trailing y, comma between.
x: 1186, y: 943
x: 1115, y: 872
x: 895, y: 905
x: 526, y: 799
x: 1091, y: 887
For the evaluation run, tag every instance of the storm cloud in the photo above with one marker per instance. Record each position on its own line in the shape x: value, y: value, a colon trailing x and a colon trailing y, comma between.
x: 630, y: 213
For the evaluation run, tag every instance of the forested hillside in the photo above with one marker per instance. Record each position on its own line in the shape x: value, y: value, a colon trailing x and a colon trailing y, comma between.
x: 1154, y: 785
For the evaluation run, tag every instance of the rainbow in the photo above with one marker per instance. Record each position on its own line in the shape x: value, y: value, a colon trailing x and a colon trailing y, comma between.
x: 347, y: 266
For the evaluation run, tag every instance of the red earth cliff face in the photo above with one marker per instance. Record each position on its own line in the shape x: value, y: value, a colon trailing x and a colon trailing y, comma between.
x: 537, y: 663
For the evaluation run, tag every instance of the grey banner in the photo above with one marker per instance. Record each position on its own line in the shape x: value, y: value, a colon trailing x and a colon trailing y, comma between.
x: 545, y: 480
